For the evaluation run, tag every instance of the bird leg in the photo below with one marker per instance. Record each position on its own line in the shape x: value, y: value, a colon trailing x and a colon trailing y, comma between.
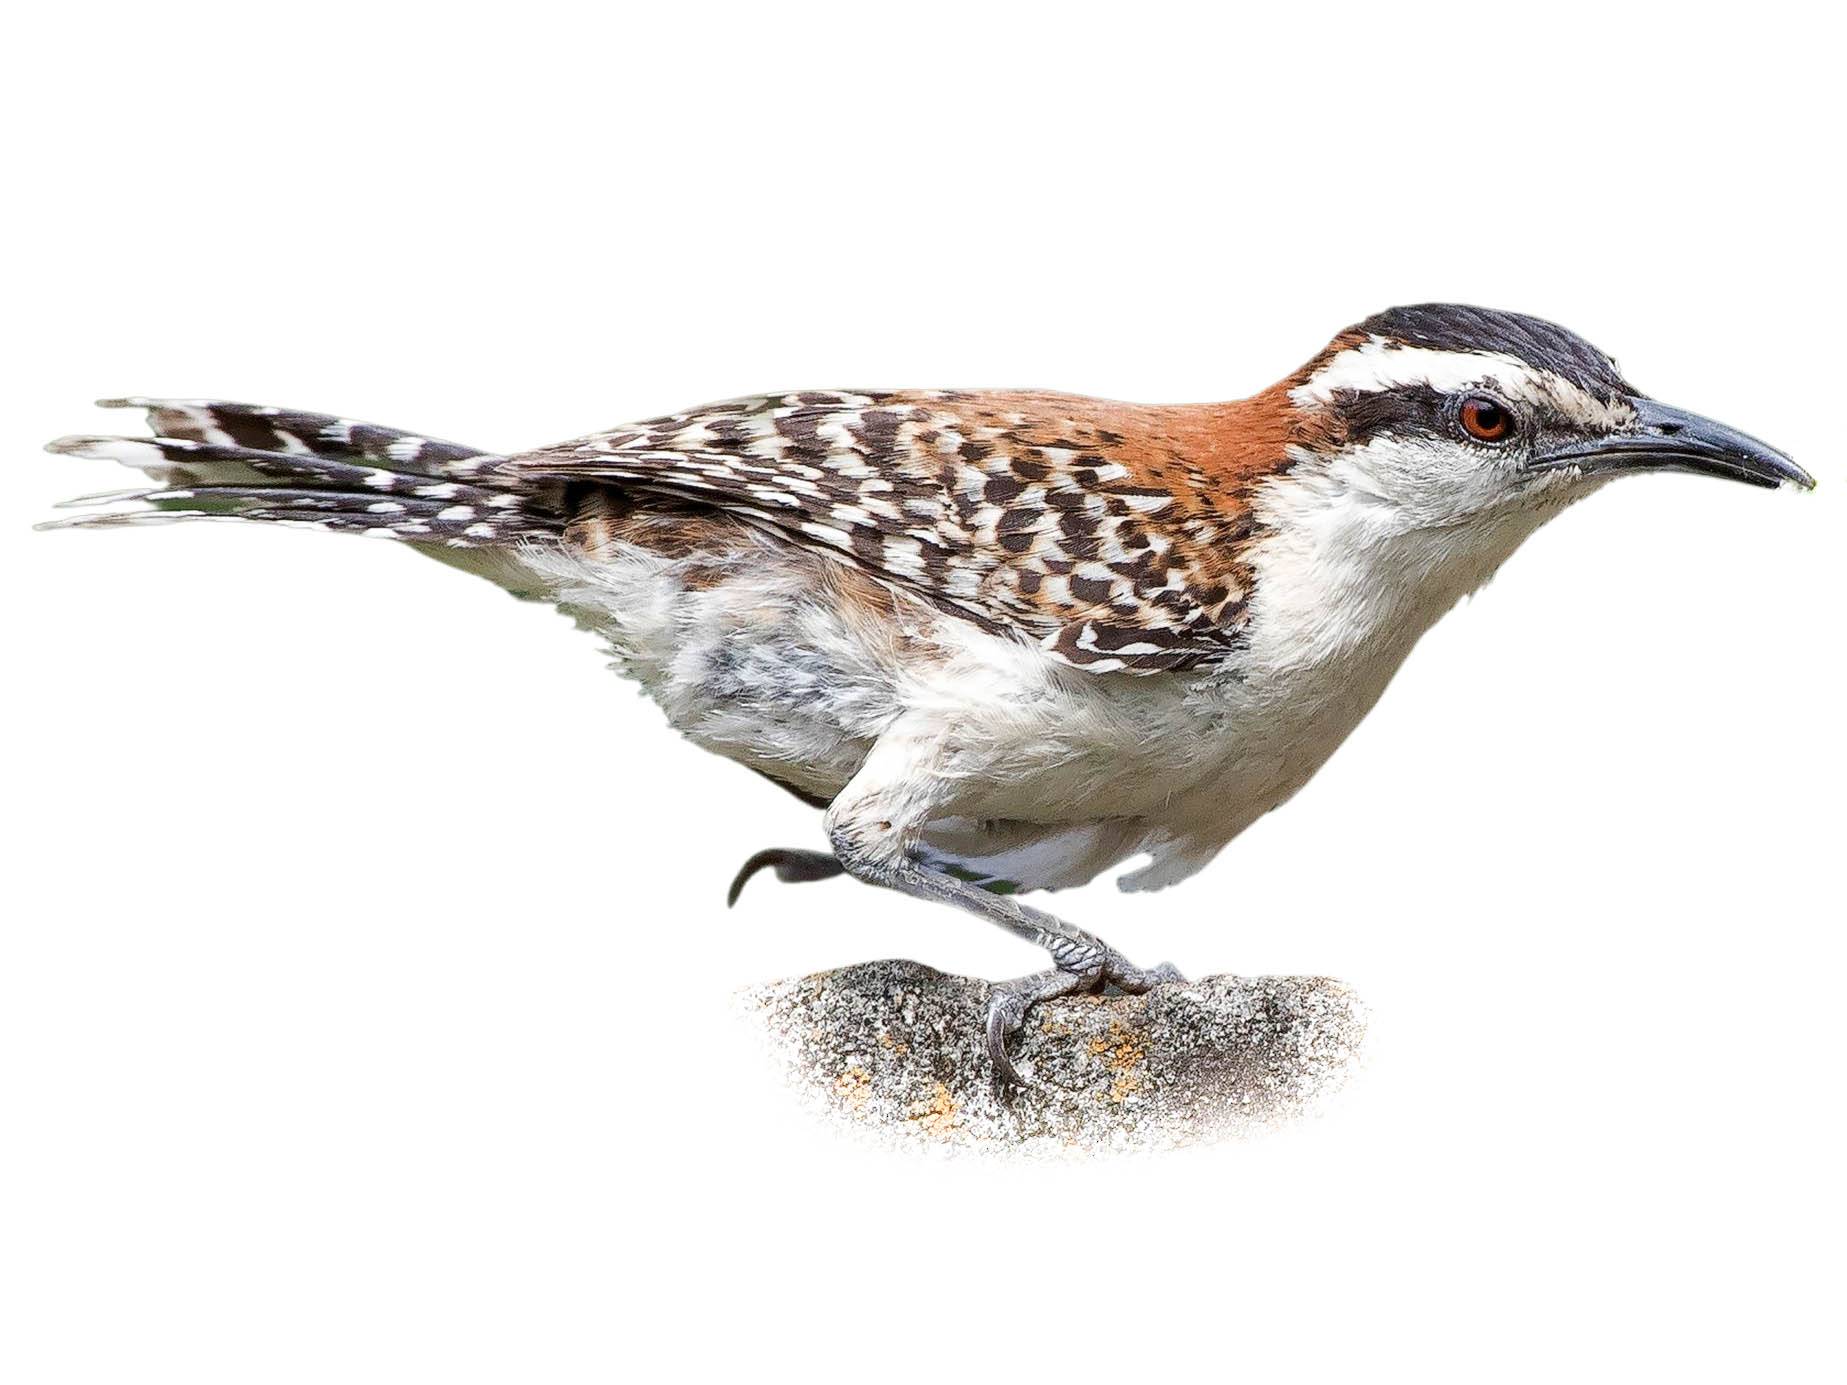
x: 790, y: 864
x: 1081, y: 961
x: 875, y: 825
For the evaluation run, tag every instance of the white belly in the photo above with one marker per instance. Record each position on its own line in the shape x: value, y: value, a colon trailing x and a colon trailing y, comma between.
x: 1048, y: 774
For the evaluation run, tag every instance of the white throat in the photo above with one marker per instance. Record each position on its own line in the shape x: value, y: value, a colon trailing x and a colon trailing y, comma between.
x: 1348, y: 575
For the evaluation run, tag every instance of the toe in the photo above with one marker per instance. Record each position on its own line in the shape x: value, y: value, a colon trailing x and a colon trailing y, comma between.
x: 1123, y: 975
x: 756, y: 863
x: 790, y: 865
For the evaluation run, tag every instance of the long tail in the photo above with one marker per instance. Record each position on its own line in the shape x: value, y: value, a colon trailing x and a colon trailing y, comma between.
x: 217, y: 460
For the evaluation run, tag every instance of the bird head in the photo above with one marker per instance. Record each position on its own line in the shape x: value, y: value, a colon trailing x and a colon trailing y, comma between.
x: 1443, y: 414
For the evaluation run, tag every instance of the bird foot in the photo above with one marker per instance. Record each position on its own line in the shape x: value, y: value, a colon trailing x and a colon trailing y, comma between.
x: 1096, y: 970
x: 790, y: 865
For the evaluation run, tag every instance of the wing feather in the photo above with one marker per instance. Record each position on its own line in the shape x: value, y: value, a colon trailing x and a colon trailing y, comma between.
x: 1095, y: 530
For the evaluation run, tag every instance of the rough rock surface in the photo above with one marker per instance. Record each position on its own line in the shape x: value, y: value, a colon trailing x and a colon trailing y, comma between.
x: 895, y: 1049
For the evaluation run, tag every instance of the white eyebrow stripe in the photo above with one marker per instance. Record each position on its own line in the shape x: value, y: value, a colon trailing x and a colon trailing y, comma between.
x: 1380, y: 364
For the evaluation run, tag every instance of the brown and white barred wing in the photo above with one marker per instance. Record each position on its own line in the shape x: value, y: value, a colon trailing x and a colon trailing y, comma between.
x: 1019, y: 512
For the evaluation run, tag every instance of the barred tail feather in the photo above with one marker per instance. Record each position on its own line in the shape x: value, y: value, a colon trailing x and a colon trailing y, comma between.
x: 264, y: 428
x: 218, y: 460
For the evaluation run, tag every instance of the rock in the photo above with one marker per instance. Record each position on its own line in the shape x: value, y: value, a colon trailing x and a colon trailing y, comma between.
x: 895, y: 1049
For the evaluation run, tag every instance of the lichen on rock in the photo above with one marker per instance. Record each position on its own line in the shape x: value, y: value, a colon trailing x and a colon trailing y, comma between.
x: 895, y: 1049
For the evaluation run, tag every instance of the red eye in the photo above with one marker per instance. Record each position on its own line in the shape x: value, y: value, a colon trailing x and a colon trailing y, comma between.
x: 1486, y: 420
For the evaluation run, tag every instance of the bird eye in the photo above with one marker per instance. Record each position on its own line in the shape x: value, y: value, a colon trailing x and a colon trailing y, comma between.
x: 1485, y: 419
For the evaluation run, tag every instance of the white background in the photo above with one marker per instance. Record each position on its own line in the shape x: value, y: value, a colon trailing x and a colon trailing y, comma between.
x: 364, y: 963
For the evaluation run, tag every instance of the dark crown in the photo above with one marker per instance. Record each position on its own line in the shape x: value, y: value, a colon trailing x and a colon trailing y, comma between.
x: 1459, y: 327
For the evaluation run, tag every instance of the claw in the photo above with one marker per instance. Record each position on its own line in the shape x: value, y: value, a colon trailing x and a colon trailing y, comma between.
x: 791, y: 866
x: 1006, y: 1013
x: 1008, y: 1001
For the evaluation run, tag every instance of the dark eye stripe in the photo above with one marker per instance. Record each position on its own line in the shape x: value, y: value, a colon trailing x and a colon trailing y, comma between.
x: 1406, y: 409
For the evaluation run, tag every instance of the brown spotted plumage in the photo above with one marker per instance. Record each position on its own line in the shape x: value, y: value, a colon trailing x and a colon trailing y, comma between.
x: 1110, y: 534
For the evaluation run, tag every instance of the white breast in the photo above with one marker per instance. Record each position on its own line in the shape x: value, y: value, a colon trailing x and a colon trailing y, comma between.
x: 1346, y: 584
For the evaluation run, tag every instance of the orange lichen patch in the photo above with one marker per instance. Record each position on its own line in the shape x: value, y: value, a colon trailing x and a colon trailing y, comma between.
x: 1125, y: 1053
x: 897, y: 1046
x: 853, y: 1086
x: 1123, y: 1085
x: 936, y: 1115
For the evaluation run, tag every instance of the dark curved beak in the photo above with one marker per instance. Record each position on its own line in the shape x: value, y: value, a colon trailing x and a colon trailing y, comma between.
x: 1669, y: 439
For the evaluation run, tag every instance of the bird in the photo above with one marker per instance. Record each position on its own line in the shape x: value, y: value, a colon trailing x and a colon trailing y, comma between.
x: 1003, y: 640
